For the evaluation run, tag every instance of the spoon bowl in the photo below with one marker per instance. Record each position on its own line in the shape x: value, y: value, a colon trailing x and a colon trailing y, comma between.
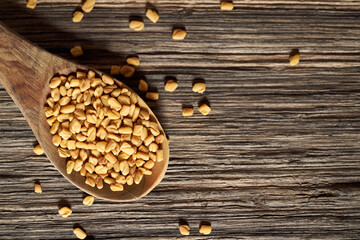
x: 25, y: 72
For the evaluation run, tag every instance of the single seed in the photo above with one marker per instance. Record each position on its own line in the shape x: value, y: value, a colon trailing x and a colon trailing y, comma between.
x: 152, y: 95
x: 77, y: 51
x: 199, y: 87
x: 184, y: 229
x: 179, y: 34
x: 205, y: 229
x: 88, y: 5
x: 31, y: 4
x: 38, y: 150
x: 37, y: 188
x: 65, y: 212
x: 88, y: 200
x: 69, y: 166
x: 138, y: 177
x: 79, y: 233
x: 117, y: 187
x: 152, y: 15
x: 149, y: 164
x: 226, y: 6
x: 294, y: 59
x: 143, y: 86
x: 133, y: 61
x: 67, y: 109
x: 127, y: 71
x: 55, y: 82
x: 204, y: 109
x: 107, y: 79
x: 159, y: 155
x: 171, y: 86
x: 115, y: 70
x: 187, y: 112
x: 136, y: 25
x: 77, y: 16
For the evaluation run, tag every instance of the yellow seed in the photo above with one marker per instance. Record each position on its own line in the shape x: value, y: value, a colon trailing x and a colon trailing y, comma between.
x: 77, y: 16
x: 294, y: 59
x: 117, y: 187
x: 89, y: 167
x: 178, y: 34
x: 159, y: 155
x: 204, y: 109
x: 152, y: 156
x: 76, y: 51
x: 38, y: 150
x: 88, y: 5
x: 187, y: 112
x: 107, y: 79
x: 65, y: 212
x: 205, y: 229
x: 101, y: 146
x: 109, y: 180
x: 79, y: 233
x: 90, y: 74
x: 121, y: 179
x: 69, y: 166
x: 125, y: 110
x: 127, y: 71
x: 199, y: 87
x: 71, y: 144
x: 143, y: 86
x: 55, y: 82
x: 115, y: 70
x: 133, y: 61
x: 64, y: 101
x: 171, y: 86
x: 152, y: 95
x: 37, y: 188
x: 138, y: 177
x: 226, y: 6
x: 152, y: 15
x: 114, y: 104
x: 138, y: 130
x: 153, y: 147
x: 129, y: 180
x: 55, y: 94
x: 78, y: 165
x: 90, y: 181
x: 184, y: 229
x: 101, y: 169
x: 88, y: 200
x: 110, y: 157
x: 31, y: 4
x: 136, y: 25
x: 56, y: 140
x: 67, y: 109
x: 125, y: 130
x: 124, y: 168
x: 149, y: 164
x: 99, y: 183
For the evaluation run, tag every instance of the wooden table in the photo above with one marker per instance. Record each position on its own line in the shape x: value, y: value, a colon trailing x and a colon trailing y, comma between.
x: 277, y: 158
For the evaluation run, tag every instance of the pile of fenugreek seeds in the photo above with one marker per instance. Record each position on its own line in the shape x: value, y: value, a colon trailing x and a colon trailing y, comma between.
x: 102, y: 130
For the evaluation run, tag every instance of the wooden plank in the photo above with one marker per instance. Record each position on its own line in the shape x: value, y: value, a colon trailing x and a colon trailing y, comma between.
x: 276, y: 159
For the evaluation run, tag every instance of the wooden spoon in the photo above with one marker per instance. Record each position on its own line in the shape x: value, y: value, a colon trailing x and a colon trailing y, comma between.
x: 25, y: 72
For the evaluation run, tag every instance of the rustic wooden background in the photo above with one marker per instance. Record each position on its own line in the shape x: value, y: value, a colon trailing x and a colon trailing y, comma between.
x: 277, y: 158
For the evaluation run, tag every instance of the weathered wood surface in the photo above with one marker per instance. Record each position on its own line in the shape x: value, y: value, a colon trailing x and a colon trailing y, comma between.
x: 278, y: 158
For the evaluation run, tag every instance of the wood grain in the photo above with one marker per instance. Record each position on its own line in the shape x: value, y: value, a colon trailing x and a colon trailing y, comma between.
x: 277, y: 158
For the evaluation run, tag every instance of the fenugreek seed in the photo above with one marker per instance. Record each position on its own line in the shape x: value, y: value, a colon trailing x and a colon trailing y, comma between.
x: 143, y: 86
x: 133, y: 61
x: 145, y: 171
x: 124, y: 168
x: 125, y: 110
x: 65, y: 134
x: 114, y: 174
x: 65, y: 212
x: 136, y: 25
x: 64, y: 101
x: 138, y: 177
x: 127, y: 71
x: 99, y: 183
x: 79, y: 233
x: 121, y: 179
x: 69, y: 92
x: 171, y: 86
x: 110, y: 146
x: 71, y: 144
x: 139, y: 163
x: 199, y: 87
x: 144, y: 149
x: 101, y: 146
x: 77, y: 16
x: 115, y: 70
x: 62, y: 91
x: 205, y: 229
x: 70, y: 167
x: 159, y: 155
x: 88, y: 200
x: 184, y: 229
x: 31, y: 4
x: 129, y: 180
x: 78, y: 165
x: 74, y: 153
x: 294, y: 59
x: 55, y: 94
x: 77, y: 51
x: 83, y: 171
x: 144, y: 115
x: 152, y: 15
x: 153, y: 147
x: 63, y: 143
x: 125, y: 130
x: 88, y: 5
x: 117, y: 187
x: 128, y: 122
x: 152, y: 95
x: 109, y: 89
x: 132, y: 171
x: 92, y: 175
x: 204, y: 109
x: 56, y: 140
x: 89, y: 167
x: 123, y: 156
x: 55, y: 82
x: 149, y: 140
x: 178, y: 34
x: 90, y: 74
x: 187, y: 112
x: 85, y: 85
x: 114, y: 104
x: 37, y: 188
x: 109, y: 180
x: 226, y: 5
x: 116, y: 93
x: 160, y: 139
x: 81, y: 145
x: 67, y: 109
x: 90, y: 181
x: 149, y: 164
x: 101, y: 169
x: 107, y: 79
x: 110, y: 157
x: 38, y: 150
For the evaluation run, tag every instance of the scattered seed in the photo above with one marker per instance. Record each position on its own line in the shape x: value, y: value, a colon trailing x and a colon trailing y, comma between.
x: 152, y: 15
x: 187, y: 112
x: 133, y: 61
x: 136, y: 25
x: 184, y: 229
x: 31, y: 4
x: 199, y: 87
x: 38, y: 150
x: 77, y: 16
x: 37, y: 188
x: 143, y: 86
x: 204, y: 109
x: 65, y: 212
x: 88, y: 5
x: 127, y: 71
x: 88, y: 200
x: 179, y: 34
x: 171, y: 86
x: 226, y: 6
x: 152, y: 95
x: 205, y: 229
x: 294, y: 59
x: 79, y: 233
x: 77, y: 51
x: 115, y: 70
